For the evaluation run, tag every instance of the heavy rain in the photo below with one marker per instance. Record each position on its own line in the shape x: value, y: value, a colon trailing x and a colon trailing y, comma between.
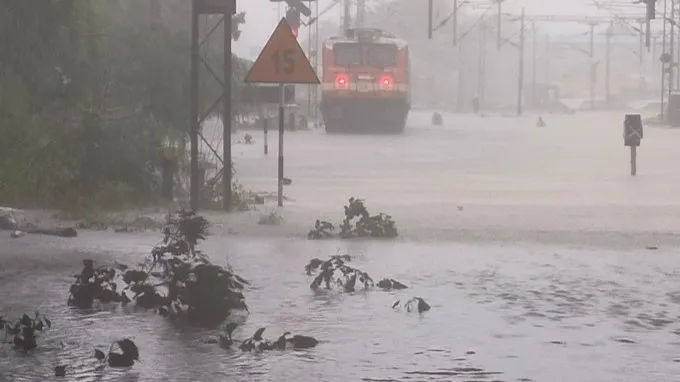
x: 339, y: 190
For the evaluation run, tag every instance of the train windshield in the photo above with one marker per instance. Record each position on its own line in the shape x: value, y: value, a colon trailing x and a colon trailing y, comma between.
x: 347, y: 54
x: 374, y: 55
x: 380, y: 55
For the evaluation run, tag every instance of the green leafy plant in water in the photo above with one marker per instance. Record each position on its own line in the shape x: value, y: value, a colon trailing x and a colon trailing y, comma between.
x: 358, y: 222
x: 322, y: 229
x: 177, y: 279
x: 259, y: 343
x: 94, y: 284
x: 414, y: 304
x: 25, y: 330
x: 335, y: 273
x: 121, y: 353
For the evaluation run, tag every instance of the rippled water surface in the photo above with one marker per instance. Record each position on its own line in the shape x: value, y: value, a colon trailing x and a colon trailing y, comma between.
x: 513, y: 313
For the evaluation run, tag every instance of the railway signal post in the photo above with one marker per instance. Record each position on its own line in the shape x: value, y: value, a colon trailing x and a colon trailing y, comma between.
x: 282, y: 62
x: 632, y: 135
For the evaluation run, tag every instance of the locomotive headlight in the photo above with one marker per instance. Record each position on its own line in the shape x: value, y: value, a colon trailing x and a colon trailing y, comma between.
x: 341, y: 81
x: 386, y: 82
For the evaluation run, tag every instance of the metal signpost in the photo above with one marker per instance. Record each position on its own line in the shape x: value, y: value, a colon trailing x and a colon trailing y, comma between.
x: 282, y: 61
x: 632, y: 135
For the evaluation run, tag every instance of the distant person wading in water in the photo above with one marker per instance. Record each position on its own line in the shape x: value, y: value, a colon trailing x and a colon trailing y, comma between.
x: 541, y: 122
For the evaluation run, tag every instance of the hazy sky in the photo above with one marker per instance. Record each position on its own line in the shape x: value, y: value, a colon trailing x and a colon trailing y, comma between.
x: 262, y: 15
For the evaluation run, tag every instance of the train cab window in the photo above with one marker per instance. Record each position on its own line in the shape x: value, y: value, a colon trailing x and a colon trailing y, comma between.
x: 347, y: 54
x: 380, y: 55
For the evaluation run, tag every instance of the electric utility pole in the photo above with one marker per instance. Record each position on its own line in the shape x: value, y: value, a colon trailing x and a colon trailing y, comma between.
x: 346, y: 20
x: 430, y: 7
x: 361, y: 13
x: 671, y: 64
x: 455, y: 22
x: 608, y: 64
x: 533, y: 65
x: 592, y: 65
x: 499, y: 22
x: 520, y: 87
x: 663, y: 64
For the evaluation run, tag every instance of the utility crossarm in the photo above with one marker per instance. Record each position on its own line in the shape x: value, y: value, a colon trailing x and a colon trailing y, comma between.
x: 591, y: 20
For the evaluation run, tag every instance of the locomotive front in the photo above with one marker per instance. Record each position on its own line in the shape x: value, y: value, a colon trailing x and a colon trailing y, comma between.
x: 365, y: 82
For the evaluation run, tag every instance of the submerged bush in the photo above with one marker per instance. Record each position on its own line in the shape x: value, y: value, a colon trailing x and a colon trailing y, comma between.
x: 358, y: 222
x: 25, y: 330
x: 121, y: 353
x: 94, y: 284
x: 414, y: 304
x: 321, y: 230
x: 285, y: 341
x: 335, y: 272
x: 177, y: 279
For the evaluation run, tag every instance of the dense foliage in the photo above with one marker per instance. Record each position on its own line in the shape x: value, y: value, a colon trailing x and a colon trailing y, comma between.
x: 122, y: 353
x: 176, y: 280
x: 336, y: 273
x: 259, y: 343
x: 358, y: 222
x: 25, y: 330
x: 89, y: 91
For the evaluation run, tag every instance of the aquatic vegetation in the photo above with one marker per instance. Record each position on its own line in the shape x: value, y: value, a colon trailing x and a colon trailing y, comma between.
x: 414, y: 304
x: 177, y: 279
x: 358, y: 222
x: 335, y: 272
x: 94, y: 284
x: 121, y: 353
x: 322, y: 229
x: 389, y: 284
x: 258, y: 343
x: 25, y: 330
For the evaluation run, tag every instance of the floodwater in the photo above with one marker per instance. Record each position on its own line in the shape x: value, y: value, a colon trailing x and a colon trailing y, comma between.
x: 499, y: 313
x: 479, y: 179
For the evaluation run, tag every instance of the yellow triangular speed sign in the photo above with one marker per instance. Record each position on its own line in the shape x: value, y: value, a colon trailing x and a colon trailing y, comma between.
x: 282, y: 60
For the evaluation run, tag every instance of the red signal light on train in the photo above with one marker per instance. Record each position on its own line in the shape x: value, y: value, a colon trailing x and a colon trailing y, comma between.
x: 386, y: 82
x: 341, y: 81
